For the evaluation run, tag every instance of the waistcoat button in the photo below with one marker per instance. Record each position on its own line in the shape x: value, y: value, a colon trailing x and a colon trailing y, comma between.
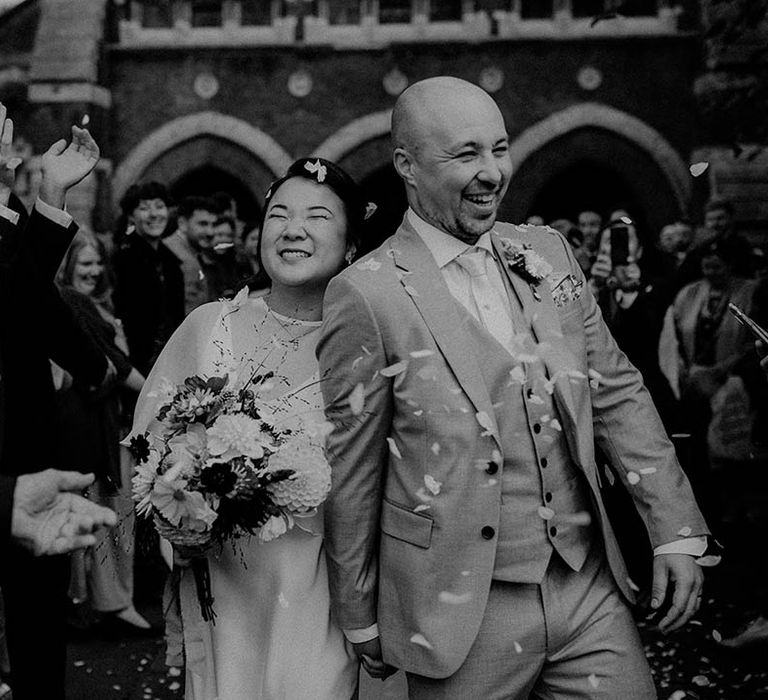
x: 536, y: 428
x: 487, y: 532
x: 492, y: 468
x: 553, y: 531
x: 544, y: 462
x: 548, y: 497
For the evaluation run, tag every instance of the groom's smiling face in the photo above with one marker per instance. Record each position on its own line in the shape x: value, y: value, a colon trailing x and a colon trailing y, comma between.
x: 459, y: 164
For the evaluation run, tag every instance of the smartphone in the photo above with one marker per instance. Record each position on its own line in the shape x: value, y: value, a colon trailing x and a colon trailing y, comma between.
x: 619, y: 245
x: 757, y: 331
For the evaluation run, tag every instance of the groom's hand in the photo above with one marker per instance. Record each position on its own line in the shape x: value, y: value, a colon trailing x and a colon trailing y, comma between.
x: 369, y: 654
x: 681, y: 572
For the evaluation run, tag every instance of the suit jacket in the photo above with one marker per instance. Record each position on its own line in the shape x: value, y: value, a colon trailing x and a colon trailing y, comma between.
x: 413, y: 425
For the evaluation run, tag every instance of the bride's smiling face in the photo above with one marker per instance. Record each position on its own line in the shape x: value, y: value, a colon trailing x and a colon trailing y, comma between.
x: 305, y: 234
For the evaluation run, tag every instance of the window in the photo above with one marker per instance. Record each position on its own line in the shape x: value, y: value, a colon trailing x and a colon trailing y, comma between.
x: 292, y: 7
x: 156, y: 14
x: 206, y: 13
x: 587, y: 8
x: 445, y: 10
x: 395, y: 11
x: 628, y: 8
x: 344, y: 12
x: 255, y: 12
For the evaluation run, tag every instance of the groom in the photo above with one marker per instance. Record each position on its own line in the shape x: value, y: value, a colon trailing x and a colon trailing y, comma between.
x: 468, y: 374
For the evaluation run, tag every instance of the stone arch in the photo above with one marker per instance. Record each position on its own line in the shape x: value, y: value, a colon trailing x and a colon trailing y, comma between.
x: 194, y: 126
x: 595, y: 115
x: 358, y: 132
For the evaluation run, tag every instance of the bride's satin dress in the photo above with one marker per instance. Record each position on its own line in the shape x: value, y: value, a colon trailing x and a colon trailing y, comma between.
x: 273, y: 637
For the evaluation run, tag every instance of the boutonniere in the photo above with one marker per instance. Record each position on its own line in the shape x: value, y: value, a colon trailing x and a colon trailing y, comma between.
x: 524, y: 261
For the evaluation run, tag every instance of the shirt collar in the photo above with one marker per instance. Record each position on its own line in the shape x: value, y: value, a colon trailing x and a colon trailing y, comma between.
x: 444, y: 247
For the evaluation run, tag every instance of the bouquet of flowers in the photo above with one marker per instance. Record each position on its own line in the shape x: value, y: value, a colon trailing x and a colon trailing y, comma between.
x: 216, y: 467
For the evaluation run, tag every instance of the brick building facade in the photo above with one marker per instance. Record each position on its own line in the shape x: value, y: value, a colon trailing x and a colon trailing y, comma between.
x: 206, y: 96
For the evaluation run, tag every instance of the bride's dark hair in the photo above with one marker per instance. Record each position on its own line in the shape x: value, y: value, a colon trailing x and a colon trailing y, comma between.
x: 323, y: 172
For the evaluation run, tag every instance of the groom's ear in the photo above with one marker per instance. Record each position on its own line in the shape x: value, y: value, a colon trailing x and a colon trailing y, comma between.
x: 403, y: 162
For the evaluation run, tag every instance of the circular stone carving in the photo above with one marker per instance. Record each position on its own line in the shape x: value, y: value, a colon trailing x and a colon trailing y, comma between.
x: 395, y: 82
x: 491, y: 79
x: 300, y: 83
x: 206, y: 86
x: 589, y: 78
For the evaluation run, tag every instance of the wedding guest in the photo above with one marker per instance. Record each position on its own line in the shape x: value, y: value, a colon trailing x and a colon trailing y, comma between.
x: 466, y: 536
x: 251, y: 247
x: 92, y: 427
x: 149, y: 283
x: 226, y: 269
x: 590, y: 224
x: 274, y: 636
x: 193, y: 238
x: 35, y: 325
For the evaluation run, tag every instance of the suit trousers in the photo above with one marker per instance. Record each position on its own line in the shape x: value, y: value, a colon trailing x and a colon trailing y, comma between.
x: 571, y: 636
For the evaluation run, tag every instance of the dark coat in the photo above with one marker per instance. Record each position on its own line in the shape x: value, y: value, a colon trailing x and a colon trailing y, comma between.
x: 149, y: 298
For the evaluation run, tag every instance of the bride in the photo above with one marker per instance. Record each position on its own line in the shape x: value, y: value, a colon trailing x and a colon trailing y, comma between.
x: 273, y: 636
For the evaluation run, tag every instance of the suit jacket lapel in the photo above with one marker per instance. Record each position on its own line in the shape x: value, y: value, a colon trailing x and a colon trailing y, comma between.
x: 542, y: 318
x: 422, y: 280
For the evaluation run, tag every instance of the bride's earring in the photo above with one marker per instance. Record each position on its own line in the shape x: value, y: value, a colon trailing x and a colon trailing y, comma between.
x: 349, y: 256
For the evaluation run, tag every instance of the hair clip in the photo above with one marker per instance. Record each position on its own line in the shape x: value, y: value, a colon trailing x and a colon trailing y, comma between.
x: 316, y: 168
x: 370, y: 208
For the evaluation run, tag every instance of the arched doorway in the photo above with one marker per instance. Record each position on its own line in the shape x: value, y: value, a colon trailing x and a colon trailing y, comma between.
x: 592, y: 168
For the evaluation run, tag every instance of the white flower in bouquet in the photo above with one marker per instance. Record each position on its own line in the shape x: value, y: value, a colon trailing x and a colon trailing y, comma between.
x: 237, y: 435
x: 180, y: 507
x: 274, y: 527
x: 310, y: 483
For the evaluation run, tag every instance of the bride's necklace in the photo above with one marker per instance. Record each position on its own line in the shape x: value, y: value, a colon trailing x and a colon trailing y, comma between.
x: 294, y: 328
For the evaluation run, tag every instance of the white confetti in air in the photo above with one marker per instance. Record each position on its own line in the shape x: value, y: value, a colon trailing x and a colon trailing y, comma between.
x: 174, y: 671
x: 393, y: 448
x: 435, y: 448
x: 546, y: 418
x: 365, y: 350
x: 518, y: 648
x: 418, y: 413
x: 648, y: 470
x: 466, y: 573
x: 594, y: 378
x: 426, y: 373
x: 421, y: 641
x: 492, y: 482
x: 78, y: 664
x: 632, y: 585
x: 454, y: 598
x: 417, y: 354
x: 420, y: 508
x: 633, y: 478
x: 85, y: 121
x: 546, y: 513
x: 422, y: 495
x: 174, y: 686
x: 117, y: 687
x: 432, y: 484
x: 684, y: 531
x: 594, y: 681
x: 485, y: 422
x: 717, y: 636
x: 282, y: 600
x: 609, y: 476
x: 677, y: 695
x: 576, y: 374
x: 371, y: 265
x: 536, y: 400
x: 517, y: 375
x: 701, y: 681
x: 699, y: 168
x: 356, y: 362
x: 555, y: 425
x: 393, y: 370
x: 410, y: 290
x: 357, y: 400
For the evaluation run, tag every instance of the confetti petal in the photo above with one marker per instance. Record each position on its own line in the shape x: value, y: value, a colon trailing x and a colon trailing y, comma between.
x: 393, y: 370
x: 427, y: 373
x: 357, y: 400
x: 393, y: 448
x: 633, y: 478
x: 701, y: 681
x: 594, y: 681
x: 435, y: 448
x: 454, y: 598
x: 633, y: 586
x: 684, y: 531
x: 372, y: 265
x: 648, y: 470
x: 420, y: 640
x: 422, y: 507
x: 555, y: 425
x: 697, y: 169
x: 485, y: 422
x: 417, y: 354
x: 432, y: 484
x: 546, y: 513
x: 518, y: 648
x: 717, y: 636
x: 517, y: 375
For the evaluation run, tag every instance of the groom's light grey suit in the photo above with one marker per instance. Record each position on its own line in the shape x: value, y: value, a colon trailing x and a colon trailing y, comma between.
x: 470, y: 467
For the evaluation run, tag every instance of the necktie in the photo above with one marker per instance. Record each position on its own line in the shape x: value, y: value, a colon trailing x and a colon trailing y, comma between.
x: 491, y: 303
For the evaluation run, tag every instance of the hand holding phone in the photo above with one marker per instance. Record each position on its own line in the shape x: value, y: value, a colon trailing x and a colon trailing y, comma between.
x: 757, y: 331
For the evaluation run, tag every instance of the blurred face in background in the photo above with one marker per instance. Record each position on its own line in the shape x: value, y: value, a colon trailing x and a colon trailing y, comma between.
x: 149, y: 218
x: 223, y: 236
x: 718, y: 221
x: 675, y: 238
x: 87, y: 271
x: 589, y: 223
x: 251, y: 243
x: 715, y: 270
x: 198, y: 228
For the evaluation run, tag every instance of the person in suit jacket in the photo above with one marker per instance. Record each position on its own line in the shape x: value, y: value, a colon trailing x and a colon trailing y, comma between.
x: 35, y: 325
x: 468, y: 374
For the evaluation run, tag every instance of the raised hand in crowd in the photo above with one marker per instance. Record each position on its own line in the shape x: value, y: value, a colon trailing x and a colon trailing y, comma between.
x: 49, y: 517
x: 64, y: 165
x: 8, y: 162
